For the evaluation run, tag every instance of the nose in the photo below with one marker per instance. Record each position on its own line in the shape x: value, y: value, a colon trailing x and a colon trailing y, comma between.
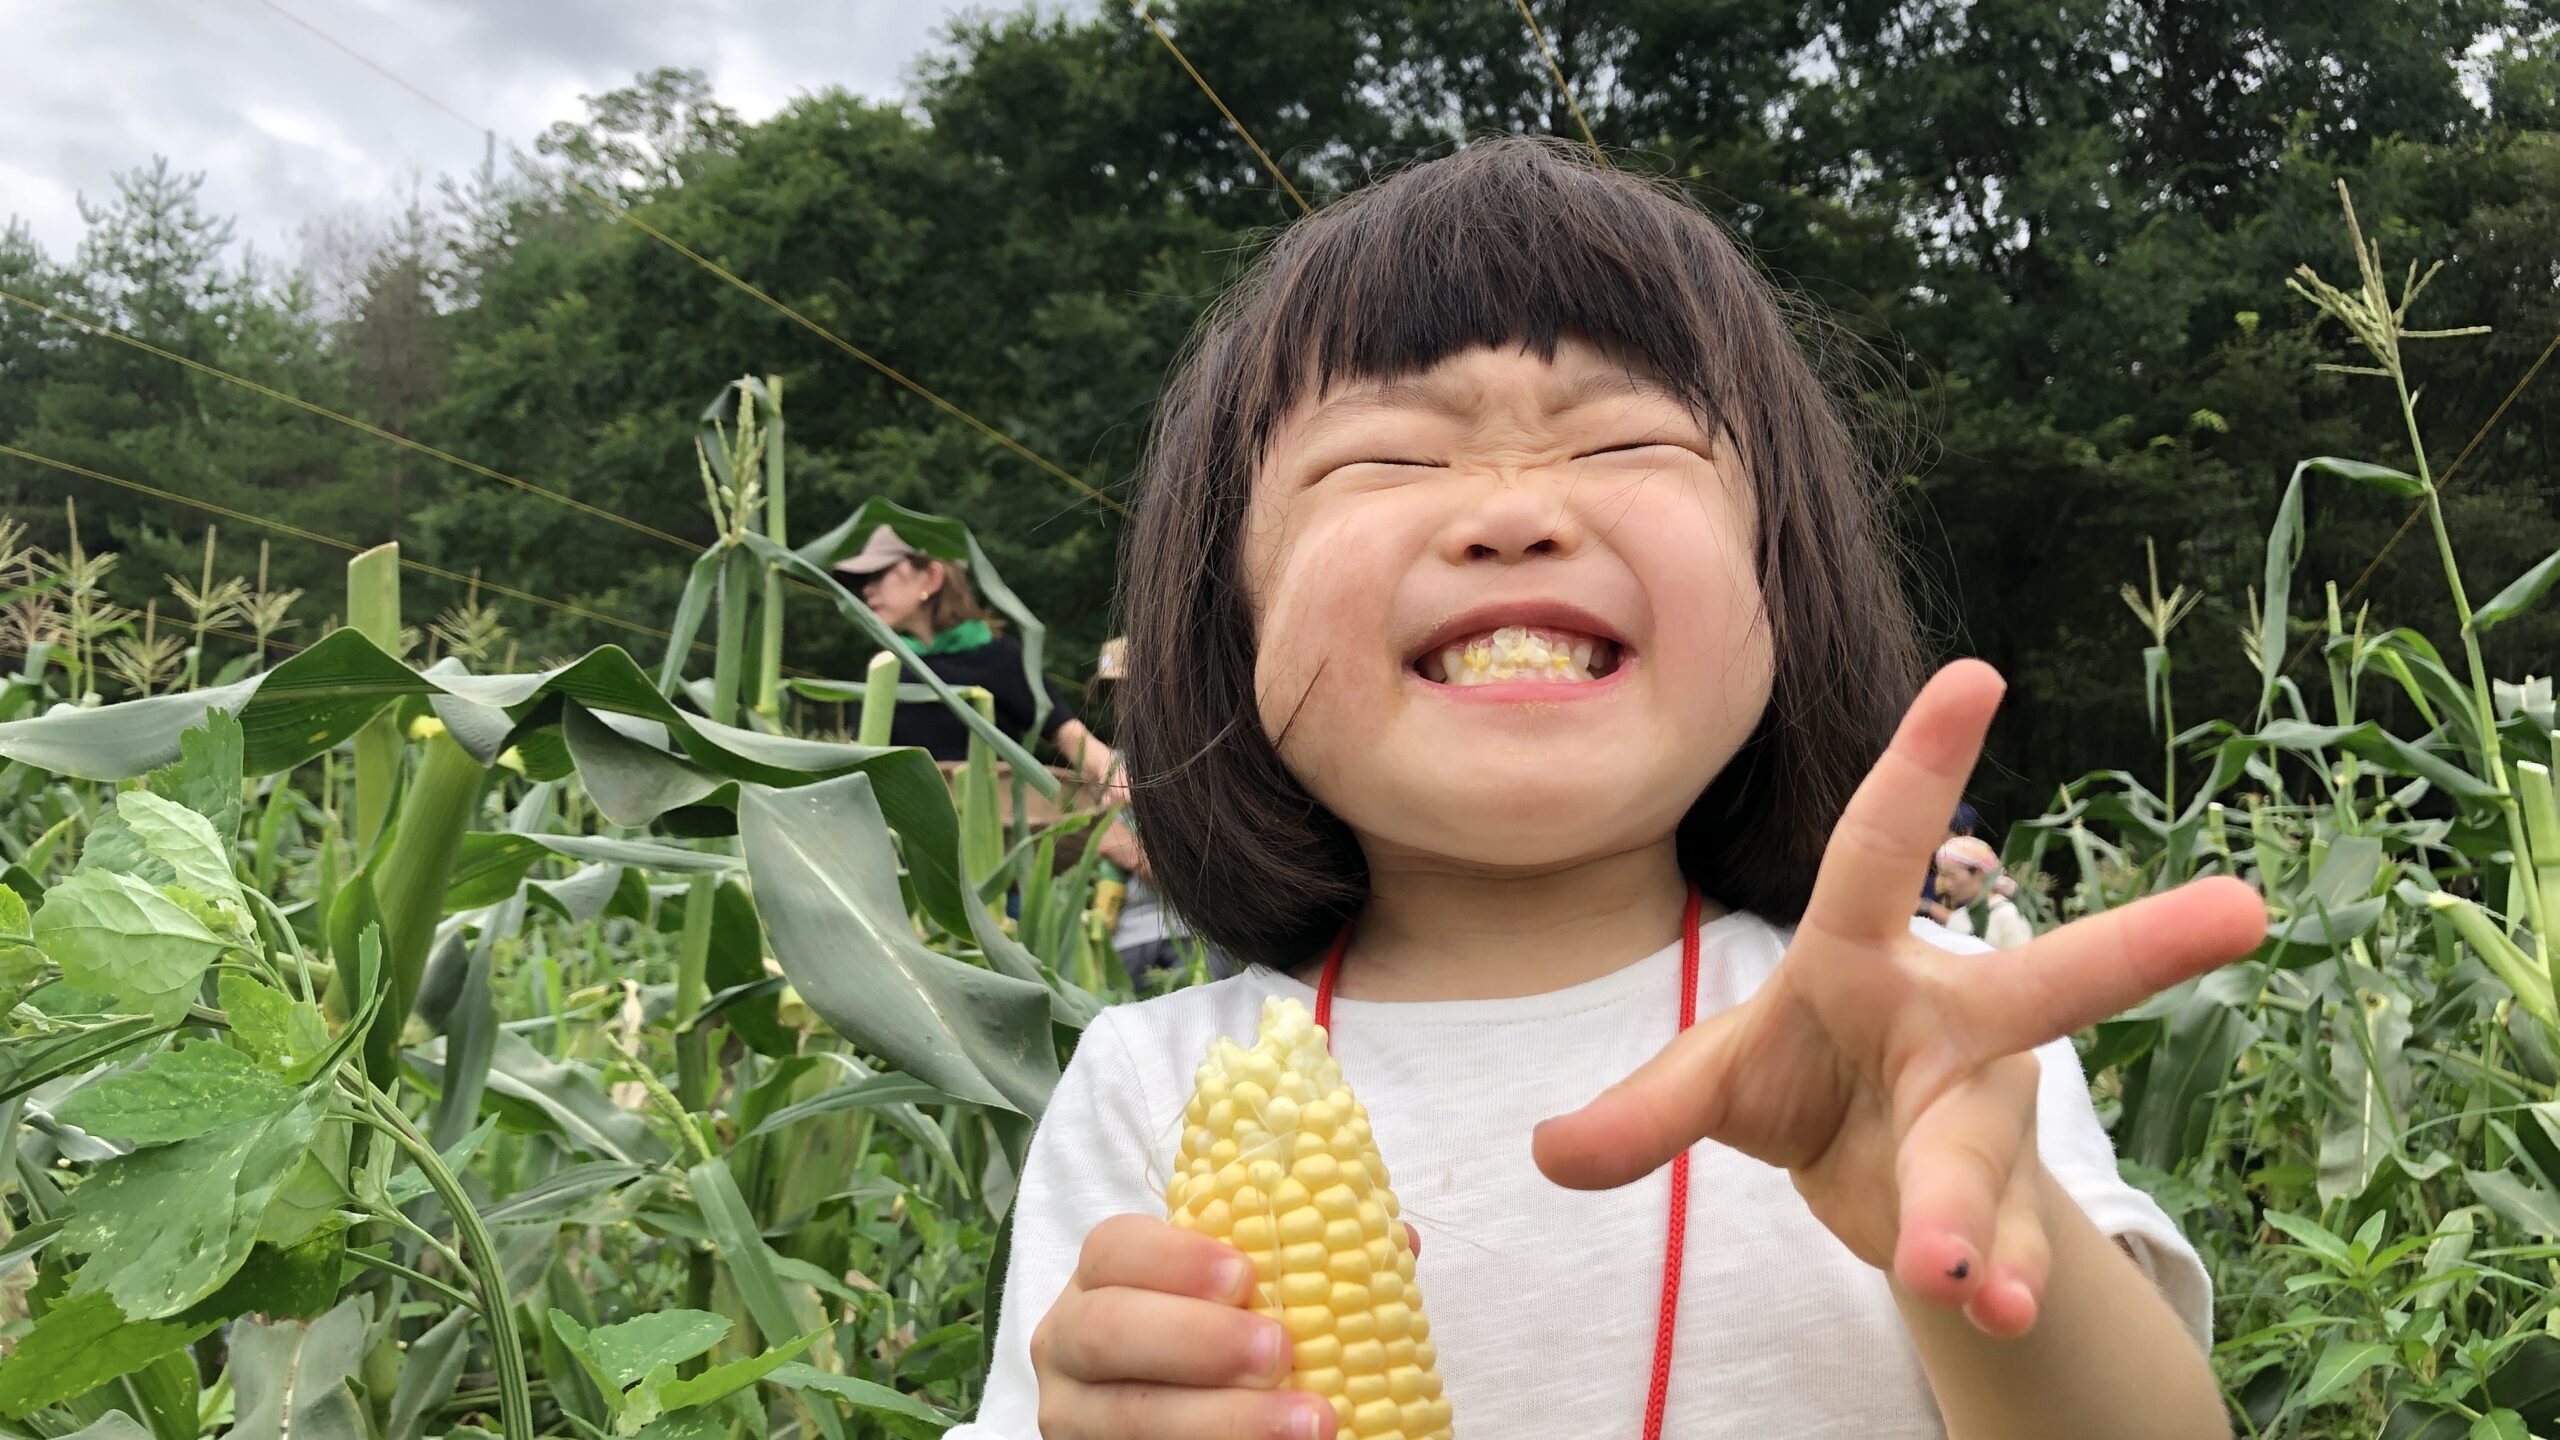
x: 1516, y: 520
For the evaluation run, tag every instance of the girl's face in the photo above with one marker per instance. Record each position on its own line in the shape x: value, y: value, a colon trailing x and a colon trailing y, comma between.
x: 1507, y: 610
x: 897, y: 594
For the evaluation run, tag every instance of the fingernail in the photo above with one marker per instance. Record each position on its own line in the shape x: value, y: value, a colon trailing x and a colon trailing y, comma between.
x: 2024, y: 1299
x: 1236, y: 1277
x: 1269, y: 1344
x: 1306, y: 1424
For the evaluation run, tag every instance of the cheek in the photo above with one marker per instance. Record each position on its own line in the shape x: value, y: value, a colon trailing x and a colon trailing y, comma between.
x: 1713, y: 634
x: 1319, y: 585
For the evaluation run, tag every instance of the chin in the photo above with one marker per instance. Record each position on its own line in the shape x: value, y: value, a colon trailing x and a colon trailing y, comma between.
x: 1526, y: 822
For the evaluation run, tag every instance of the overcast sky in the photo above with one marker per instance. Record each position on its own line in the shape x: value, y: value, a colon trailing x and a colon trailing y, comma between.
x: 292, y: 132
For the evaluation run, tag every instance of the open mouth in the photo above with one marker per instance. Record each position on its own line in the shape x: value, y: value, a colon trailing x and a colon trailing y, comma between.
x: 1515, y: 654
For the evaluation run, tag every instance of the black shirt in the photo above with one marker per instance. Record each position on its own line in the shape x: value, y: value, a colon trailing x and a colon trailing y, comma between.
x: 997, y: 668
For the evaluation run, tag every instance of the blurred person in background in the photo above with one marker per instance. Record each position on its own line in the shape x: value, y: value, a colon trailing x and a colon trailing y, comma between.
x: 1149, y: 937
x: 1968, y: 876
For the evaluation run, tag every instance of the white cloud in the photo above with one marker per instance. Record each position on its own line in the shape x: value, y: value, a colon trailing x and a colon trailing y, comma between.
x: 49, y: 207
x: 289, y: 130
x: 305, y: 130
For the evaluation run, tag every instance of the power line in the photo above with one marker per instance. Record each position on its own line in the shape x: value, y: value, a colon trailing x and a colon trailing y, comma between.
x: 2410, y: 523
x: 111, y: 333
x: 1237, y: 125
x: 622, y: 212
x: 1557, y: 70
x: 333, y: 542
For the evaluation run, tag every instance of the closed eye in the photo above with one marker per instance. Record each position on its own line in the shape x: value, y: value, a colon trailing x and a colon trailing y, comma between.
x: 1631, y: 445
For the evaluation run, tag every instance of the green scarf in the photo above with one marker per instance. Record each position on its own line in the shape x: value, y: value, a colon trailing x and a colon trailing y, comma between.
x: 967, y: 635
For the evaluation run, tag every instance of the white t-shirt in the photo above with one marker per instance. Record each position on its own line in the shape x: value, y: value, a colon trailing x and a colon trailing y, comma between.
x: 1543, y: 1299
x: 2002, y: 925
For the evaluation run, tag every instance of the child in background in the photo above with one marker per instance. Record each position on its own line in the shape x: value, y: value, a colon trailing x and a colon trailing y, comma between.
x: 1969, y: 877
x: 1148, y: 937
x: 1513, y: 649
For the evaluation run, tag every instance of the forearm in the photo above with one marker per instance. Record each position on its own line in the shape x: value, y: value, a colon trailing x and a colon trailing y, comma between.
x: 1092, y: 759
x: 2107, y: 1359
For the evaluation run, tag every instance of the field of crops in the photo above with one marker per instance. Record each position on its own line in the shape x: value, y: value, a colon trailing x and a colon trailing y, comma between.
x: 400, y: 1043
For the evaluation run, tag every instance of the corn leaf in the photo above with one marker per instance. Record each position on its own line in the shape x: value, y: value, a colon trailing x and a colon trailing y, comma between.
x: 2208, y: 1027
x: 862, y: 1394
x: 2362, y: 1127
x: 114, y: 1425
x: 291, y: 1376
x: 534, y: 1094
x: 733, y: 1230
x: 492, y: 864
x: 825, y: 872
x: 2379, y: 477
x: 428, y: 1373
x: 2520, y: 594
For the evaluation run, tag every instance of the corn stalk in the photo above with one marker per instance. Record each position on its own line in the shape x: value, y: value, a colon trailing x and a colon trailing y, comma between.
x: 777, y: 529
x: 373, y: 611
x: 880, y: 698
x: 2380, y: 324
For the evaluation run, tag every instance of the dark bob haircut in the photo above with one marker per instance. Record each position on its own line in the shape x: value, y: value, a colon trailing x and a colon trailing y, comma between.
x: 1515, y: 242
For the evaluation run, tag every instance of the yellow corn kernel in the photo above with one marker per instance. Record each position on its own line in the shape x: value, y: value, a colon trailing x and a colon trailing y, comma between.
x: 1278, y: 1161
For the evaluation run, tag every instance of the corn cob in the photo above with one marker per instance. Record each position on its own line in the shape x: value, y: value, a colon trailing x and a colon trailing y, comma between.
x: 1277, y: 1160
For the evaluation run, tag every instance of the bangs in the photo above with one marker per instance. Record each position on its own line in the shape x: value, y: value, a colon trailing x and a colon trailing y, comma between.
x: 1500, y: 246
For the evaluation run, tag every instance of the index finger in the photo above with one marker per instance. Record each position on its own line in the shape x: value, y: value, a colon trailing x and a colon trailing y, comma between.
x: 1144, y: 1253
x: 1880, y: 850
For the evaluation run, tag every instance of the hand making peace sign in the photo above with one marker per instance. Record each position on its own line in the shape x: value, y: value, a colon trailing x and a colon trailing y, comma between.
x: 1890, y: 1077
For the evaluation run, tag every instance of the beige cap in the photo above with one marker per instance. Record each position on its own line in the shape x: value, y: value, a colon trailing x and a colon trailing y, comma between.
x: 878, y: 553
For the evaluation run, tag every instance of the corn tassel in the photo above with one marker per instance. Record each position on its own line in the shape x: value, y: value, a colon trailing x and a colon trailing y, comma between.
x: 1278, y: 1161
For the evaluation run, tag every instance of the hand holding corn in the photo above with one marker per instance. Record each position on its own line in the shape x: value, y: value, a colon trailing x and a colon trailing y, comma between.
x: 1151, y: 1341
x: 1279, y: 1205
x: 1890, y: 1078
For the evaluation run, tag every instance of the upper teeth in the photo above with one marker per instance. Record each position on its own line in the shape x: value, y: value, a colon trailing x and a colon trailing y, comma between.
x: 1514, y: 652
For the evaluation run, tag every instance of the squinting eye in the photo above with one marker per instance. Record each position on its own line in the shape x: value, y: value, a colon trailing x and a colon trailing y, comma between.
x: 1630, y: 445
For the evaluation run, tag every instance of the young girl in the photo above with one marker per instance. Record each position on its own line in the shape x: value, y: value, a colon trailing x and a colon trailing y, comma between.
x: 1508, y: 623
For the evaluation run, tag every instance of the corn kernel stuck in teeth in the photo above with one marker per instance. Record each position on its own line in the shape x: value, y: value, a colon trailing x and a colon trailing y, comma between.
x: 1517, y: 652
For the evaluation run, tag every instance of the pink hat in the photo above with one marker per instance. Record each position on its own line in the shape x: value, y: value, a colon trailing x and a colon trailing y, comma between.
x: 1968, y: 853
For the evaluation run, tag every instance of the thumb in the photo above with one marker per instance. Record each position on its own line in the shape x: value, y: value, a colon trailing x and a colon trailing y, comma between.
x: 1636, y: 1126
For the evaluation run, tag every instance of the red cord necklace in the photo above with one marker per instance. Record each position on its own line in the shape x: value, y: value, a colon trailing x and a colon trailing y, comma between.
x: 1658, y: 1393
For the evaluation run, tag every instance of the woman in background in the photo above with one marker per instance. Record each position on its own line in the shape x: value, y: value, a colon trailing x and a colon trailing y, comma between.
x: 929, y: 603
